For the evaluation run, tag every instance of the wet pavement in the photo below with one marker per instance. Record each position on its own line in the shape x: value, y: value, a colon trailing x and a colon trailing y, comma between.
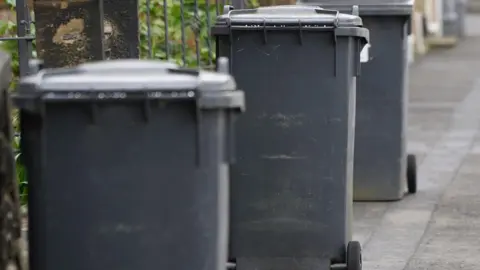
x: 439, y: 227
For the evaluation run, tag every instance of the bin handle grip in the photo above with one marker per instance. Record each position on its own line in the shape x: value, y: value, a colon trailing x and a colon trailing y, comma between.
x: 320, y: 10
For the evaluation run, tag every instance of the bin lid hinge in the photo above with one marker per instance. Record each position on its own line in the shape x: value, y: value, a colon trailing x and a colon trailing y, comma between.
x: 336, y: 21
x: 93, y: 112
x: 41, y: 108
x: 230, y: 33
x: 357, y: 63
x: 230, y: 39
x: 229, y: 100
x: 300, y: 33
x: 265, y: 31
x: 230, y: 140
x: 146, y: 108
x: 335, y: 53
x: 199, y: 138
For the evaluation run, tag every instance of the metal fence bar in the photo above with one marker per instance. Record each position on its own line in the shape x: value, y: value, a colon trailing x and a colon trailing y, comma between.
x: 23, y: 33
x: 149, y: 30
x: 209, y: 41
x: 98, y: 19
x: 196, y: 31
x: 182, y: 18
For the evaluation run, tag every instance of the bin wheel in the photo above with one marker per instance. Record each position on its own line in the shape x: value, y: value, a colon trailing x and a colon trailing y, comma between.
x: 354, y: 256
x: 411, y: 174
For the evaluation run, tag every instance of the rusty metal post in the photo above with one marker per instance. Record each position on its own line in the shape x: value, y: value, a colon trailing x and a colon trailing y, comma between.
x: 69, y: 32
x: 24, y: 36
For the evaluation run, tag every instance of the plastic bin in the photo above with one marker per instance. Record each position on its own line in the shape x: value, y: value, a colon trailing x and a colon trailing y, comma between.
x: 291, y: 190
x: 383, y: 170
x: 128, y: 164
x: 454, y: 14
x: 462, y: 6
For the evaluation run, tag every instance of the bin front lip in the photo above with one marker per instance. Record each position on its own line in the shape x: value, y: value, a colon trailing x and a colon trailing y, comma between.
x: 381, y: 9
x: 304, y: 24
x: 101, y: 81
x: 208, y: 100
x: 127, y: 77
x: 359, y: 32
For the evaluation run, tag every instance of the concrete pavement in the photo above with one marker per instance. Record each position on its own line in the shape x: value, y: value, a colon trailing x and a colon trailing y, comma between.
x: 439, y: 227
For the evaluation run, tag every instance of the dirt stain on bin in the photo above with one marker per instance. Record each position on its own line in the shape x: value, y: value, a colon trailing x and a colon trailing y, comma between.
x: 283, y: 156
x: 284, y: 120
x: 286, y: 209
x: 120, y: 228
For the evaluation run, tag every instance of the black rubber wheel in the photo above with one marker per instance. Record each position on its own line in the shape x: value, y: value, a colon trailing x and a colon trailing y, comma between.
x: 411, y: 174
x: 354, y: 256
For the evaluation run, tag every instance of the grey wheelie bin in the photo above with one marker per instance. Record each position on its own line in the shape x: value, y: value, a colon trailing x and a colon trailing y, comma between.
x: 383, y: 170
x: 128, y: 165
x: 291, y: 186
x: 462, y: 10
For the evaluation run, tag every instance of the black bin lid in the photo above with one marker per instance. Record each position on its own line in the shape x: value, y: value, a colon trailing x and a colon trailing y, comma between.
x: 128, y: 75
x: 304, y: 16
x: 130, y: 79
x: 366, y: 7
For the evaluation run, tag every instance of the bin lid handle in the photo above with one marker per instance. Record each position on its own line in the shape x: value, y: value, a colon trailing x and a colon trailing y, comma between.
x: 320, y: 10
x: 229, y: 11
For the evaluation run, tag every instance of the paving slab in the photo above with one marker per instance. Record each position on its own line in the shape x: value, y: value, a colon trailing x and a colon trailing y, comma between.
x: 452, y: 237
x: 439, y: 227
